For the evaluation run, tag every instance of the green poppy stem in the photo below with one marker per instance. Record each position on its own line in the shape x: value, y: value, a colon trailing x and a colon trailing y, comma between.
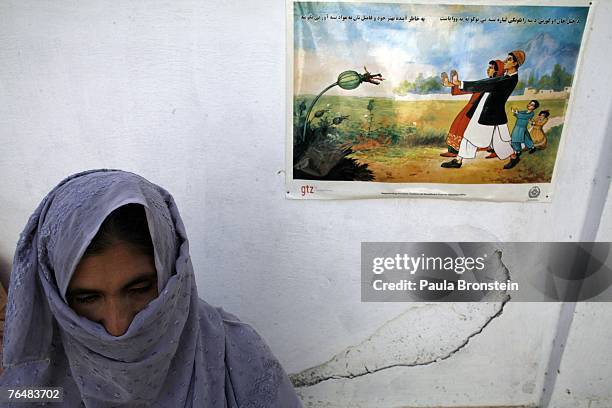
x: 312, y: 106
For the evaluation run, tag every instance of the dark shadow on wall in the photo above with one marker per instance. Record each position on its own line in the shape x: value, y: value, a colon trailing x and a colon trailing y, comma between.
x: 5, y: 272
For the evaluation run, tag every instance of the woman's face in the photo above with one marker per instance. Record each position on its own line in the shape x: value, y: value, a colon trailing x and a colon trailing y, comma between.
x: 111, y: 287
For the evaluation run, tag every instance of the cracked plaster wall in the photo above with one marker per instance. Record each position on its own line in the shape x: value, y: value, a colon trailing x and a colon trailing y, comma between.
x: 191, y: 95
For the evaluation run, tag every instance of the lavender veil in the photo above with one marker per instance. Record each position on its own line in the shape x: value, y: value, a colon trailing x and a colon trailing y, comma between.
x: 178, y: 351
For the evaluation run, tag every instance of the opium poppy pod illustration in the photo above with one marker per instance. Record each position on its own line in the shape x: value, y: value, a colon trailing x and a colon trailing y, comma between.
x: 347, y: 80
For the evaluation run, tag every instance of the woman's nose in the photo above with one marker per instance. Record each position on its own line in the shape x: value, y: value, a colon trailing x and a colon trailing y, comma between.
x: 117, y: 317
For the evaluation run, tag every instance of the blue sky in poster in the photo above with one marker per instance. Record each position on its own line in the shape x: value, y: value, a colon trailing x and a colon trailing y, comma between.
x: 401, y: 50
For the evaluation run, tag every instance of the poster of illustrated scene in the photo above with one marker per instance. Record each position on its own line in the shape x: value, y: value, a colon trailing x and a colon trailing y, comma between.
x: 404, y: 99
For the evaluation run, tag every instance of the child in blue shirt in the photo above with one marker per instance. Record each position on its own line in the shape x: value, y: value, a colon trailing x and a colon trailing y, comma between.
x: 520, y: 135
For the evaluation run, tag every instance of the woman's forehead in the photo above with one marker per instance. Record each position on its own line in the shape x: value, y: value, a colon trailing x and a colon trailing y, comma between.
x: 112, y: 269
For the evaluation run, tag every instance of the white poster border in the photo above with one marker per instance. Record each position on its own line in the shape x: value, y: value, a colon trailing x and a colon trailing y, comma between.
x: 341, y: 190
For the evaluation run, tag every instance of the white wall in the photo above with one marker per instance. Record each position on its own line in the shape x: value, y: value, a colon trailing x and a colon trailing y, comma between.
x: 191, y: 95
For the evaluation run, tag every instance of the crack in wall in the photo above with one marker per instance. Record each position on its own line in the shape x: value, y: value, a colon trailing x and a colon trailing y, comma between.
x: 392, y: 346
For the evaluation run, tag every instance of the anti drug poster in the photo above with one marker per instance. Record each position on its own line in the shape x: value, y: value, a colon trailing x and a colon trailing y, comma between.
x: 399, y: 99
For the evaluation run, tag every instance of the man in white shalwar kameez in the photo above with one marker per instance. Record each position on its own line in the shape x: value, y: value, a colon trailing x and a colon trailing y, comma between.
x: 491, y: 126
x: 480, y: 136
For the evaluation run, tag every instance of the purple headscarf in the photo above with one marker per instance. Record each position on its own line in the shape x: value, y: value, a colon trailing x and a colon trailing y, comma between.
x: 177, y: 352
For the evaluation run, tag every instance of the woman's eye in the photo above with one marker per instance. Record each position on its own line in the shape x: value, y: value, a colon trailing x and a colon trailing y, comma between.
x: 85, y: 299
x: 141, y: 289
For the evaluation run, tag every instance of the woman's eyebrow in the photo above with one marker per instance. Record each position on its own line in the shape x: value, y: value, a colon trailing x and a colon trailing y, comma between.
x: 138, y: 279
x: 81, y: 291
x: 141, y: 278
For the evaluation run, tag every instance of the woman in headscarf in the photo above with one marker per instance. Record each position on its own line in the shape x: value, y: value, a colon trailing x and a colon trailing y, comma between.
x: 103, y: 303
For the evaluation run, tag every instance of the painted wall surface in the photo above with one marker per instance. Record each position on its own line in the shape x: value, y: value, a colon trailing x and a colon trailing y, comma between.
x: 586, y: 370
x: 191, y: 95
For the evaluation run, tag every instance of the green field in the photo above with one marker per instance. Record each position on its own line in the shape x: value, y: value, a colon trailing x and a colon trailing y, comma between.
x: 429, y: 115
x: 400, y: 141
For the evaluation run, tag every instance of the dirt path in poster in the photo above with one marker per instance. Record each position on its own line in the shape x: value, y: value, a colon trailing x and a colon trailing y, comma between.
x: 422, y: 164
